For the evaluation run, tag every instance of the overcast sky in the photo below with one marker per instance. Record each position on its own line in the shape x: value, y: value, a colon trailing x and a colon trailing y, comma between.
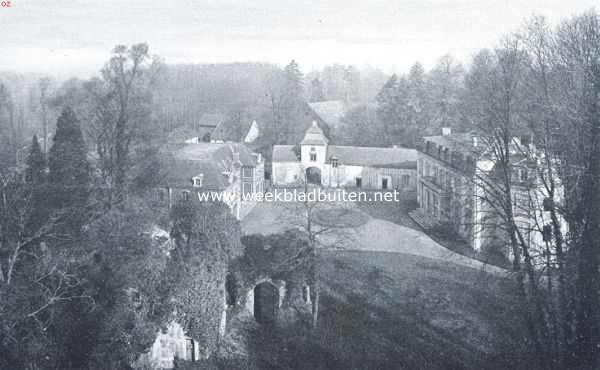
x: 74, y: 37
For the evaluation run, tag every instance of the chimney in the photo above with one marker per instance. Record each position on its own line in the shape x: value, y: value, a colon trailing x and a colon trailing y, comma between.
x: 446, y: 131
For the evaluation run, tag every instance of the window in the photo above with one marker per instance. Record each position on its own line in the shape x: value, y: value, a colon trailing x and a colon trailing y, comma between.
x: 523, y: 175
x: 185, y: 195
x: 247, y: 171
x: 420, y: 167
x: 548, y: 203
x: 384, y: 183
x: 197, y: 181
x: 313, y: 154
x: 334, y: 162
x: 405, y: 180
x: 359, y: 182
x: 547, y: 233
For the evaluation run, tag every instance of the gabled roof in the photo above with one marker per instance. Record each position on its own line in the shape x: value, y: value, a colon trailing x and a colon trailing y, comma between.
x: 330, y: 111
x: 210, y: 120
x: 214, y: 152
x: 314, y: 136
x: 231, y: 131
x: 209, y: 159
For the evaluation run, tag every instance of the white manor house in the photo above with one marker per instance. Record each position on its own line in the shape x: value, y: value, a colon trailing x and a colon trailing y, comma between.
x: 317, y: 162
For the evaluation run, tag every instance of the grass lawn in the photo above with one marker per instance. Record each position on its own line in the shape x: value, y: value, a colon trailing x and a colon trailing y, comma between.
x: 394, y: 311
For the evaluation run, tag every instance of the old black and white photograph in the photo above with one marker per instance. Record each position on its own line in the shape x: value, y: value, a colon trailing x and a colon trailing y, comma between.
x: 311, y: 185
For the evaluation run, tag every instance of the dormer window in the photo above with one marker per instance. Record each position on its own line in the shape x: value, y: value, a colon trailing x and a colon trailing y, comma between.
x: 313, y: 154
x: 197, y: 181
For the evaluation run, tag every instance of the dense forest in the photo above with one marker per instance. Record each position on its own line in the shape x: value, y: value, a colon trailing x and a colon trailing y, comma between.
x: 84, y: 281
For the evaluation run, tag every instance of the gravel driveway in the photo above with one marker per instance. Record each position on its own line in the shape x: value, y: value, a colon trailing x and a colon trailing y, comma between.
x: 374, y: 235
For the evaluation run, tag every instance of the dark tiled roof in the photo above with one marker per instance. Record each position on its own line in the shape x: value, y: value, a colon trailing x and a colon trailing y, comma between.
x: 209, y: 159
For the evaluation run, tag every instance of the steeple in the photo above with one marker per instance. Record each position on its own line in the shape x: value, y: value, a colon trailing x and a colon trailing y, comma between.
x: 314, y: 136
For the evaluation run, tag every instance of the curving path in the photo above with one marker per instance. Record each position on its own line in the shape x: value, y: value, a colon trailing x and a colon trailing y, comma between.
x: 374, y: 235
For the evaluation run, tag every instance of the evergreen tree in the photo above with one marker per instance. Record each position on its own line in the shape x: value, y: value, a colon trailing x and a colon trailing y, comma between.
x: 69, y: 175
x: 386, y: 113
x: 35, y: 173
x: 293, y: 80
x: 417, y: 109
x: 316, y: 90
x: 292, y: 100
x: 35, y: 180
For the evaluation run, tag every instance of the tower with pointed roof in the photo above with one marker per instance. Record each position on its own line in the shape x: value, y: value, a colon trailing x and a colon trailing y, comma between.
x: 314, y: 146
x: 313, y: 149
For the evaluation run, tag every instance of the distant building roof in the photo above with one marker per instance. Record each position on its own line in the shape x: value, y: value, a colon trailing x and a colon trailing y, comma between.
x: 465, y: 143
x: 284, y: 153
x: 314, y: 136
x: 211, y: 160
x: 357, y: 156
x: 211, y: 120
x: 231, y: 131
x: 330, y: 111
x: 373, y: 156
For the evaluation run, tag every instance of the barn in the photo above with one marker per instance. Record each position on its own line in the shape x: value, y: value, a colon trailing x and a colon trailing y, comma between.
x: 314, y: 160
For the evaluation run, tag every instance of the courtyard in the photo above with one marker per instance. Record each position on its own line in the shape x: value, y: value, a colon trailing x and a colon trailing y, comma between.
x: 353, y: 226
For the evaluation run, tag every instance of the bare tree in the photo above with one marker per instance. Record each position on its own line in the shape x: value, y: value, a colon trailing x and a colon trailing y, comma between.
x: 122, y: 108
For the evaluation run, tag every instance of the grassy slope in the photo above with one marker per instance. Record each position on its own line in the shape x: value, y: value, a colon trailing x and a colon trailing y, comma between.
x: 393, y: 311
x: 388, y: 311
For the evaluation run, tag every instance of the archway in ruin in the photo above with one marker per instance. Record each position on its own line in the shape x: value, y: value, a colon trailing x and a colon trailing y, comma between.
x: 266, y: 302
